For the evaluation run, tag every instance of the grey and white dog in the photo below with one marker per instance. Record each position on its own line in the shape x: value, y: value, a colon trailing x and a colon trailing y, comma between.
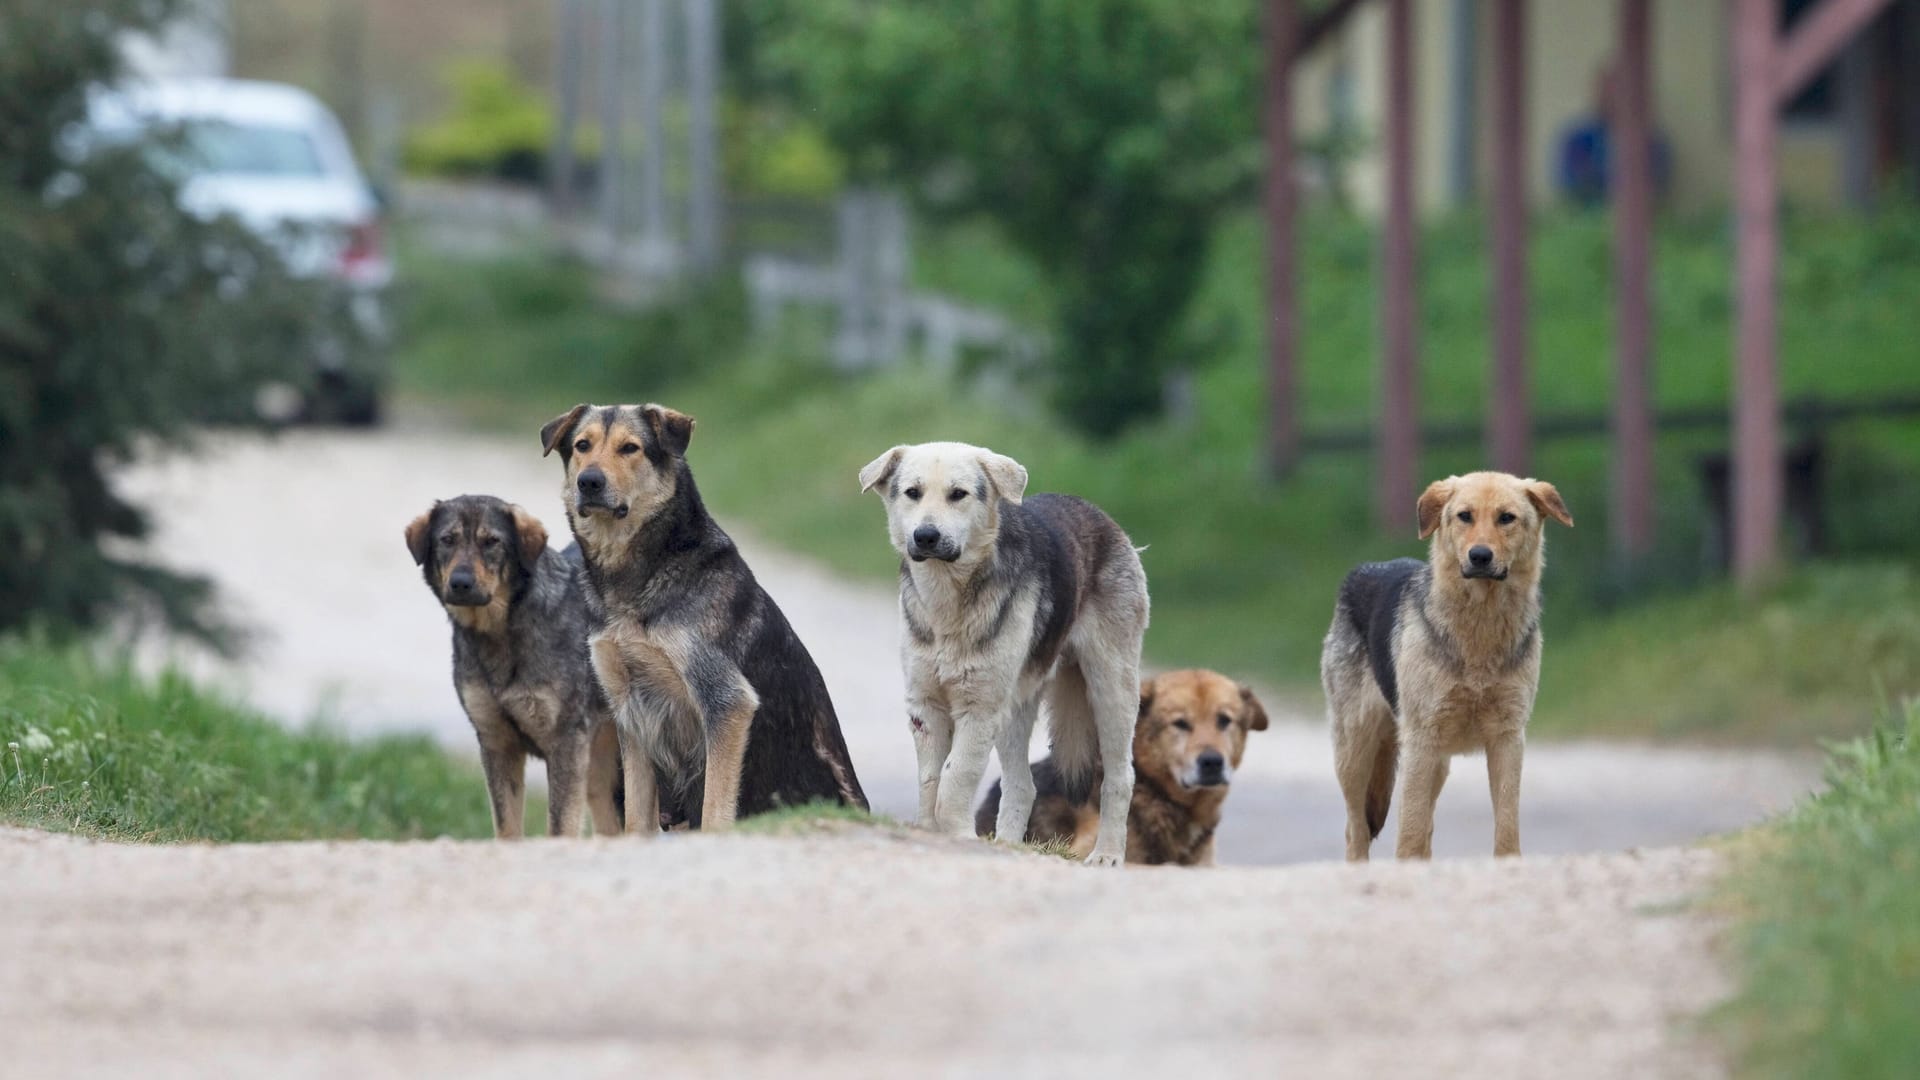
x: 1006, y: 599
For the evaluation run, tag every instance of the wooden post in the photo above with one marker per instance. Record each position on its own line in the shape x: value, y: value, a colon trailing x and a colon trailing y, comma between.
x: 1398, y: 439
x: 1630, y: 131
x: 1756, y: 413
x: 1507, y: 429
x: 569, y: 47
x: 705, y: 186
x: 1816, y: 39
x: 1283, y: 332
x: 612, y: 176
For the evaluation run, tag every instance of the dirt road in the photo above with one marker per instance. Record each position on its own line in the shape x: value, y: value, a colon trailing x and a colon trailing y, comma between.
x: 844, y: 955
x: 303, y: 534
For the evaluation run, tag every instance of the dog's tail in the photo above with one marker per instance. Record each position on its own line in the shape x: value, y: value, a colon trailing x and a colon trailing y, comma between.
x: 1386, y: 762
x: 1073, y: 736
x: 985, y: 818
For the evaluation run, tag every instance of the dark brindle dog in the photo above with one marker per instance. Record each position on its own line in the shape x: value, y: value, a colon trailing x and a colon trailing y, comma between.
x: 520, y: 659
x: 707, y: 680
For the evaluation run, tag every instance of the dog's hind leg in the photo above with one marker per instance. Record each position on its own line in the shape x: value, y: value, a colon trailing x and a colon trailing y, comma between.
x: 603, y: 775
x: 1504, y: 754
x: 1016, y: 773
x: 566, y: 786
x: 1113, y: 697
x: 1364, y: 753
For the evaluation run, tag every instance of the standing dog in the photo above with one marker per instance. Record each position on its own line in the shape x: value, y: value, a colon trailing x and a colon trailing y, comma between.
x: 520, y: 659
x: 1191, y: 737
x: 1004, y: 598
x: 1427, y: 660
x: 720, y: 710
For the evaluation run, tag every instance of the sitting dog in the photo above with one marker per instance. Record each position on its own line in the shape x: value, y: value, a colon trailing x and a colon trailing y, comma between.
x: 721, y: 713
x: 1005, y: 598
x: 1425, y: 660
x: 520, y: 660
x: 1191, y: 737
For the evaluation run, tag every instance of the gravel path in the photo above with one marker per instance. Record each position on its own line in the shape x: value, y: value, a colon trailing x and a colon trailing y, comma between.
x: 850, y: 954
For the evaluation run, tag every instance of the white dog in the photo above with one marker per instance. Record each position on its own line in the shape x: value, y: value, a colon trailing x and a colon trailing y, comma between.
x: 1004, y: 597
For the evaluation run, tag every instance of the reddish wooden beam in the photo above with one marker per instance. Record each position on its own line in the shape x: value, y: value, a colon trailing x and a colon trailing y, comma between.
x: 1816, y: 42
x: 1399, y: 432
x: 1756, y: 413
x: 1631, y: 130
x: 1507, y: 430
x: 1283, y: 332
x: 1323, y: 25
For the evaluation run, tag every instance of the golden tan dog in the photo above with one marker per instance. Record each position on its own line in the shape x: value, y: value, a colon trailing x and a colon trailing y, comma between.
x: 1191, y: 736
x: 1426, y: 660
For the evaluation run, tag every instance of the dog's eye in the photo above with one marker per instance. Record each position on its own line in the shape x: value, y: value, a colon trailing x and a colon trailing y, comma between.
x: 1182, y: 724
x: 489, y: 542
x: 583, y: 446
x: 630, y: 448
x: 956, y: 495
x: 913, y: 493
x: 1466, y: 517
x: 448, y: 539
x: 1507, y: 518
x: 1225, y: 721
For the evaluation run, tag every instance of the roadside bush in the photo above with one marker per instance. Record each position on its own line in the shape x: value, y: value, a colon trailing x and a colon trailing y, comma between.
x: 497, y: 127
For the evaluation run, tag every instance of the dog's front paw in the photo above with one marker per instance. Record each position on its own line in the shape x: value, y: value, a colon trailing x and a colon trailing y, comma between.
x: 1103, y: 858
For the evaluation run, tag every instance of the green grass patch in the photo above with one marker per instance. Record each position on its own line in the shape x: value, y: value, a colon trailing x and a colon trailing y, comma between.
x: 1829, y: 903
x: 94, y: 749
x: 1243, y: 571
x: 820, y: 816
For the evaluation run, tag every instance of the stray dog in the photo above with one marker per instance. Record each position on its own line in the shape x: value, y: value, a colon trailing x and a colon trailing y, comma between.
x: 1191, y: 736
x: 721, y: 712
x: 1425, y: 660
x: 520, y: 660
x: 1005, y: 597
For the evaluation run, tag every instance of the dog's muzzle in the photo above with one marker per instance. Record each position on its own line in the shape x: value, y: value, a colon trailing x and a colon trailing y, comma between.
x: 591, y: 494
x: 1210, y: 769
x: 1480, y: 565
x: 927, y: 543
x: 463, y: 591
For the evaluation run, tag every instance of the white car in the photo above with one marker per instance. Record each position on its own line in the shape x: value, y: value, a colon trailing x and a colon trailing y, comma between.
x: 273, y: 157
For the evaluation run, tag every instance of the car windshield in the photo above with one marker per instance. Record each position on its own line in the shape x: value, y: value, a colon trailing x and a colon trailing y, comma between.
x: 219, y: 146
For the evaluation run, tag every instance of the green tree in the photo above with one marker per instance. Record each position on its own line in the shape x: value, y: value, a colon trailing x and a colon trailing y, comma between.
x: 124, y: 321
x: 1103, y: 136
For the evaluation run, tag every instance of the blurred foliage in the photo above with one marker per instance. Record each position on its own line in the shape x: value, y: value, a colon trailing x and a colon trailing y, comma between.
x: 124, y: 320
x: 497, y: 126
x: 1104, y: 137
x: 1829, y: 907
x: 93, y: 748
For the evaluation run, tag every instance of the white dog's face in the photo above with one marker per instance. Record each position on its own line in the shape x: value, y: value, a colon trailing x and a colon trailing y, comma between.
x: 943, y: 498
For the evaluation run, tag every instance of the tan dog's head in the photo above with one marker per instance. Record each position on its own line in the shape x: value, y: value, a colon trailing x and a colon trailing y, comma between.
x: 622, y: 461
x: 475, y: 550
x: 943, y: 498
x: 1489, y: 524
x: 1193, y: 730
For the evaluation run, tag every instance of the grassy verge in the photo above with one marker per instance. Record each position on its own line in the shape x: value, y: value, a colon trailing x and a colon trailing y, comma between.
x: 98, y: 751
x: 1243, y: 570
x: 1830, y: 909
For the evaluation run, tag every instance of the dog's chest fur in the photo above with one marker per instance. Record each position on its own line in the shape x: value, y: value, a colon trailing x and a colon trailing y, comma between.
x: 965, y: 629
x: 1468, y: 667
x: 645, y: 670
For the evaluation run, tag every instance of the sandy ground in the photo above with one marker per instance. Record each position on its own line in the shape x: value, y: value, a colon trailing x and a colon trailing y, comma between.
x: 846, y: 955
x: 303, y: 534
x: 851, y: 953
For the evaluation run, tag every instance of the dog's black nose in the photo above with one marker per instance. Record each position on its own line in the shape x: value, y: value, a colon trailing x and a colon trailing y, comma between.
x: 926, y: 536
x: 592, y: 482
x: 460, y: 582
x: 1212, y: 766
x: 1480, y: 555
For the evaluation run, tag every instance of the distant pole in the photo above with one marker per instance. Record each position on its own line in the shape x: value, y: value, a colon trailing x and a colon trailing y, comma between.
x: 706, y: 193
x: 1631, y: 127
x: 1283, y: 328
x: 653, y: 128
x: 1756, y: 413
x: 1398, y: 440
x: 612, y: 121
x: 569, y: 45
x: 1507, y: 430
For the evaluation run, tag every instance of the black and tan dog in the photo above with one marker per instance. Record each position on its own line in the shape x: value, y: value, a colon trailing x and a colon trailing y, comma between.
x: 520, y: 659
x: 707, y: 681
x: 1426, y: 660
x: 1191, y: 736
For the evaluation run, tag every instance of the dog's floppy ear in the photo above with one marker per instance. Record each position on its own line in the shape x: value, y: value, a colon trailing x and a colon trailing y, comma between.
x: 1546, y: 499
x: 1146, y: 697
x: 532, y: 537
x: 880, y: 468
x: 559, y: 428
x: 1009, y: 476
x: 419, y: 542
x: 1256, y: 712
x: 1433, y: 502
x: 673, y: 429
